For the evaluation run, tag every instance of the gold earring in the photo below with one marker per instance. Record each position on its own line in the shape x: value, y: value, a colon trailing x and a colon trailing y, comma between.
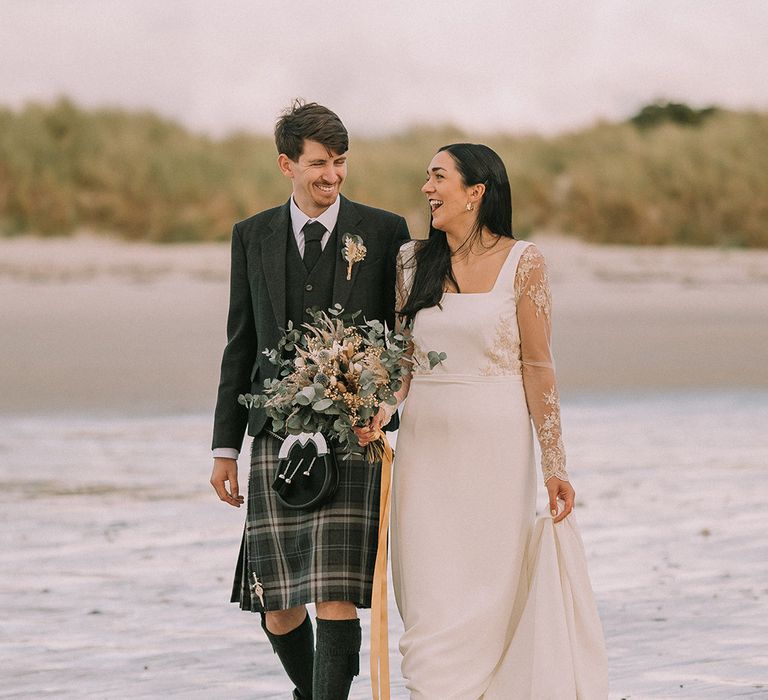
x: 469, y: 206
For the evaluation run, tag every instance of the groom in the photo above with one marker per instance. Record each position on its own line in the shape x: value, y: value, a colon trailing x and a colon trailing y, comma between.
x: 285, y: 260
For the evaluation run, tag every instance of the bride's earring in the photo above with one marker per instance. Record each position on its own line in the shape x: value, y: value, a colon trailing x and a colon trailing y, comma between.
x: 469, y: 206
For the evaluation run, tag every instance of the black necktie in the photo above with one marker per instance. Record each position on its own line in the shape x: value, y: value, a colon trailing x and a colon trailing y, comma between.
x: 313, y: 234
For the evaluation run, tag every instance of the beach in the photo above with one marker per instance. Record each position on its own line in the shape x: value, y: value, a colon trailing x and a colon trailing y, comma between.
x: 96, y: 324
x: 117, y: 558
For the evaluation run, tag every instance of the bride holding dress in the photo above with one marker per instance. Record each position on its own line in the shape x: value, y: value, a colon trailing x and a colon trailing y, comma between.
x: 495, y: 603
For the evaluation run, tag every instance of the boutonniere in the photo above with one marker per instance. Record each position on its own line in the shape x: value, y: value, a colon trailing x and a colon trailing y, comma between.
x: 353, y: 252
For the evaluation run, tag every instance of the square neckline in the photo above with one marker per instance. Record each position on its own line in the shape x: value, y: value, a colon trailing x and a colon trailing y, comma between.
x: 495, y: 282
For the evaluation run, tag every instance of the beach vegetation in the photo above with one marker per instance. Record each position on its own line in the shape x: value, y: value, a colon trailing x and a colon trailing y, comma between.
x: 64, y: 169
x: 661, y: 112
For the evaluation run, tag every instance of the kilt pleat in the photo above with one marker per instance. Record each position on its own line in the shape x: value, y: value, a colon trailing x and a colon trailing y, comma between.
x: 298, y: 557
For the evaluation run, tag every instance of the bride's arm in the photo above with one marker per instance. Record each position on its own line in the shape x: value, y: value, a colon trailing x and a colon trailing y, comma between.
x: 403, y: 281
x: 534, y: 308
x: 387, y: 410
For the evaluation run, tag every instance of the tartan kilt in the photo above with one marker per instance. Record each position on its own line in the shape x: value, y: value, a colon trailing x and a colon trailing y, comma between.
x: 299, y: 557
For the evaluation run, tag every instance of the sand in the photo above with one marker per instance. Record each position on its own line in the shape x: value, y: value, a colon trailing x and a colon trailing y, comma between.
x: 116, y: 558
x: 97, y: 324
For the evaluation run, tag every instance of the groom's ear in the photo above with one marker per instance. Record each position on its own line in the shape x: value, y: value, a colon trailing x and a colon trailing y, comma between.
x: 286, y: 165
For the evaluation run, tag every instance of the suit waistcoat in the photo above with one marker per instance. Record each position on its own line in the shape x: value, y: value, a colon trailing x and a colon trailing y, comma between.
x: 309, y: 288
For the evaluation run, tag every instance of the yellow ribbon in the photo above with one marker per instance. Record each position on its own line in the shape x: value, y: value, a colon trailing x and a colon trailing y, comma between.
x: 379, y: 618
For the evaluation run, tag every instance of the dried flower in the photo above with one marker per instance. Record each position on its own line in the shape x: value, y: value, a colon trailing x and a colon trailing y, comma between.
x: 333, y: 375
x: 354, y: 251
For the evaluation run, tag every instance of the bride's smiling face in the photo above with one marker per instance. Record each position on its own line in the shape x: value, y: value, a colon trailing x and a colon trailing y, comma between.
x: 447, y: 194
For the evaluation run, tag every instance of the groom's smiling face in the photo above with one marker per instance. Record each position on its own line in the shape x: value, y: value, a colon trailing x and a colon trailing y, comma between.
x: 317, y: 177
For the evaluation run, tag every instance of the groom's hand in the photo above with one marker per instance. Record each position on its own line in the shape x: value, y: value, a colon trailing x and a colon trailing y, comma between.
x: 225, y: 470
x: 563, y: 491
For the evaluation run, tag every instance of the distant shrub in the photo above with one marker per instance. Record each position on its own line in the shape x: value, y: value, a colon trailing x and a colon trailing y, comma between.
x: 671, y: 112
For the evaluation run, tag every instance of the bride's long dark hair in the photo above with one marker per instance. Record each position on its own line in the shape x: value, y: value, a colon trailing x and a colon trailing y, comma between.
x: 476, y: 164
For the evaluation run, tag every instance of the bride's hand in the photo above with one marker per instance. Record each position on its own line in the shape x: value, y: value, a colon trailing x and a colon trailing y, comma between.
x: 562, y: 490
x: 367, y: 433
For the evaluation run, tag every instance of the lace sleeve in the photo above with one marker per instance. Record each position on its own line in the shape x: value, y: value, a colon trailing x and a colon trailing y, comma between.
x: 534, y: 307
x: 406, y: 268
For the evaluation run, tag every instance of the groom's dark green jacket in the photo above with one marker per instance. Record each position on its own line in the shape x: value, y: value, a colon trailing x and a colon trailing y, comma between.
x: 257, y: 302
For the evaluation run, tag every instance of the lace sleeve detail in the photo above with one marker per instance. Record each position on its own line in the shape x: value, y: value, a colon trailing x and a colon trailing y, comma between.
x: 534, y: 309
x: 406, y: 269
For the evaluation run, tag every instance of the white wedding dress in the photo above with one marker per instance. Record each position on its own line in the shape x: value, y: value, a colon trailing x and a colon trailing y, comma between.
x: 495, y: 604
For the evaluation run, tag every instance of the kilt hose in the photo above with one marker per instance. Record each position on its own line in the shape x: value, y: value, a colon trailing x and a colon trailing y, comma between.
x: 293, y: 557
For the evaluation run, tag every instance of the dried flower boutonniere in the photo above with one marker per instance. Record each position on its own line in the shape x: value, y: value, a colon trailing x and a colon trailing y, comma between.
x: 354, y: 251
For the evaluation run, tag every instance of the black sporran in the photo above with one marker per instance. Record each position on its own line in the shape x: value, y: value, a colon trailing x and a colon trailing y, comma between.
x: 307, y: 473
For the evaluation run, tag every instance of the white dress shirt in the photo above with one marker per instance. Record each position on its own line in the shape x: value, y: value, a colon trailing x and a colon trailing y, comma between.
x: 298, y: 220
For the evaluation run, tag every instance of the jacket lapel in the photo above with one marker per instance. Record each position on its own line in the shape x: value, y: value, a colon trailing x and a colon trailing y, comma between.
x: 274, y: 248
x: 348, y: 223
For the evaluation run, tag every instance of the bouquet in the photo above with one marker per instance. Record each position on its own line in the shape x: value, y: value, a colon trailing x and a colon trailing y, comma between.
x: 333, y: 375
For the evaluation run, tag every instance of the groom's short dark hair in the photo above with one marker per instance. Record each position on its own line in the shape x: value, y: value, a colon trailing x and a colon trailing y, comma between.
x: 309, y: 120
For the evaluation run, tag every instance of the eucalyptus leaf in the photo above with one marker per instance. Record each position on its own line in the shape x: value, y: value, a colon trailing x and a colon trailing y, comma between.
x: 319, y: 391
x: 366, y: 413
x: 435, y: 358
x: 293, y: 422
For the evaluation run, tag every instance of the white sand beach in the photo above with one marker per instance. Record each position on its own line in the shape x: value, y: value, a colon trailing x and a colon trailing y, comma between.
x: 116, y: 558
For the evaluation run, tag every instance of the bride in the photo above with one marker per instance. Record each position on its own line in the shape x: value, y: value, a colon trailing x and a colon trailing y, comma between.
x: 494, y: 603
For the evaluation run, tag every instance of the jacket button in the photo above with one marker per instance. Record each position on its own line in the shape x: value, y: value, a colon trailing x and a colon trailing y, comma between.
x: 308, y: 287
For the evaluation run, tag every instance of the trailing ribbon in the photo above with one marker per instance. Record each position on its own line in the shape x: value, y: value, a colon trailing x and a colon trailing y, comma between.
x: 379, y: 617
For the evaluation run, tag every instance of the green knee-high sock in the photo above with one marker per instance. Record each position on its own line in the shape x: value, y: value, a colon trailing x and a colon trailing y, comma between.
x: 337, y: 658
x: 296, y: 651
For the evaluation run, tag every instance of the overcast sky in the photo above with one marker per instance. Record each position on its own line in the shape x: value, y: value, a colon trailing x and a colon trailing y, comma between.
x: 484, y: 65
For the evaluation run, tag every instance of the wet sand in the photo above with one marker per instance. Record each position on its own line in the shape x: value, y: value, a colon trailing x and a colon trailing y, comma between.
x: 116, y: 558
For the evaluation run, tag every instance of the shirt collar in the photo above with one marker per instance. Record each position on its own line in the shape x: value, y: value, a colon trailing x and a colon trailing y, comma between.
x: 328, y: 218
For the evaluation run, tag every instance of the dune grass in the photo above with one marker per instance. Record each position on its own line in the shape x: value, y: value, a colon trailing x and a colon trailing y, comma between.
x: 63, y: 168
